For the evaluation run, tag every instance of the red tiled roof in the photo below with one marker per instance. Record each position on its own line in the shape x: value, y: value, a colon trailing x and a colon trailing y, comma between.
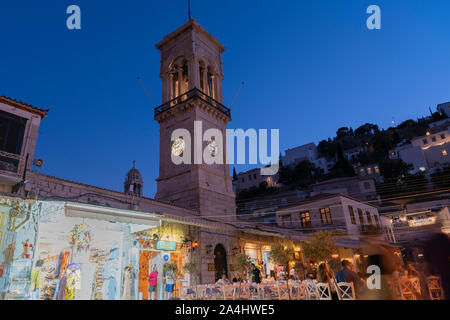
x: 115, y: 191
x: 24, y: 106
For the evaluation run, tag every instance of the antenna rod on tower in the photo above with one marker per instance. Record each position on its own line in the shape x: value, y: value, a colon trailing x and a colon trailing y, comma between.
x: 142, y: 84
x: 239, y: 90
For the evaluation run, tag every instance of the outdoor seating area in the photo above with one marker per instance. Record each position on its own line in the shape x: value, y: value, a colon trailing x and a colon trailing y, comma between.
x: 403, y: 289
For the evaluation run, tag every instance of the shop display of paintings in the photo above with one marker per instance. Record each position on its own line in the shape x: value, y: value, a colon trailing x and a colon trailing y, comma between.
x: 112, y: 272
x: 98, y: 256
x: 53, y: 268
x: 73, y: 282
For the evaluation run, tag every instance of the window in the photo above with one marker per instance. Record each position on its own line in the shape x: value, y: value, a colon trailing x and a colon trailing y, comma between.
x: 377, y: 170
x: 369, y: 218
x: 377, y: 221
x: 433, y: 139
x: 367, y: 185
x: 425, y: 141
x: 202, y: 84
x: 369, y: 171
x: 361, y: 218
x: 243, y: 179
x: 443, y: 136
x: 305, y: 219
x: 12, y: 130
x: 352, y: 214
x: 254, y: 176
x: 286, y: 221
x: 325, y: 216
x: 250, y: 177
x: 362, y: 172
x: 210, y: 80
x: 444, y: 152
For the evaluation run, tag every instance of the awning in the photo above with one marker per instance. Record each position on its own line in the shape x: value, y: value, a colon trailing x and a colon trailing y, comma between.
x: 358, y: 244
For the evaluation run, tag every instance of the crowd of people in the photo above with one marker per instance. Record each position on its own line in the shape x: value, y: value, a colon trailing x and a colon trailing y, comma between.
x: 436, y: 253
x: 322, y: 274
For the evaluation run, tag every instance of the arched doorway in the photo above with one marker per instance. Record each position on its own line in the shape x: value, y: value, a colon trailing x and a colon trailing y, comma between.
x: 220, y: 261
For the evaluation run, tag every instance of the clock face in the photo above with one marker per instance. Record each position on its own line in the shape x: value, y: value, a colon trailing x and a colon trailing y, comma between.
x: 178, y: 147
x: 213, y: 148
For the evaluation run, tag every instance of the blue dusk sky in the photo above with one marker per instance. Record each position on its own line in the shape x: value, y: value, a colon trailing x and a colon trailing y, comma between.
x: 309, y: 67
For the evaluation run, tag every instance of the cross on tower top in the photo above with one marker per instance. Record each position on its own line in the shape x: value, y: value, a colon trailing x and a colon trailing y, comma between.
x: 189, y: 8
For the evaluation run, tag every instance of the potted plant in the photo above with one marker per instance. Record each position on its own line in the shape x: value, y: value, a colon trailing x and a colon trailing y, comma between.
x: 192, y: 269
x: 281, y: 255
x: 241, y: 264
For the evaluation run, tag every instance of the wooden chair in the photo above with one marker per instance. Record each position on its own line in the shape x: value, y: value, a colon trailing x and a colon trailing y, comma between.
x: 302, y: 294
x: 346, y: 290
x: 271, y: 292
x: 415, y: 287
x: 229, y: 292
x: 214, y: 292
x: 283, y: 292
x: 209, y: 293
x: 410, y: 289
x: 254, y: 292
x: 435, y: 288
x: 262, y: 294
x: 243, y: 292
x: 293, y: 289
x: 311, y: 290
x: 324, y: 291
x: 201, y: 292
x: 188, y: 293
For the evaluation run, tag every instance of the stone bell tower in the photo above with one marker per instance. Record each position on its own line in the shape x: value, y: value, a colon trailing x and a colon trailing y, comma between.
x: 191, y: 73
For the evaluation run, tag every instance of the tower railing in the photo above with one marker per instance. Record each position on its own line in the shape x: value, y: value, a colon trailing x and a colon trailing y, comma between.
x: 191, y: 94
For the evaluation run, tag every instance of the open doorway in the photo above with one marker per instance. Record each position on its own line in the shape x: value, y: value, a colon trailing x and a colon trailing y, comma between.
x: 220, y: 261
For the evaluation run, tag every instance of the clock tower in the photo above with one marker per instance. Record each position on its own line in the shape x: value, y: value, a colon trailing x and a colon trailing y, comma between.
x: 191, y: 73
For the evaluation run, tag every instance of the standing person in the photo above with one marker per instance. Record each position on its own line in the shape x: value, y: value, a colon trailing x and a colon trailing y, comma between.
x: 153, y: 283
x: 324, y: 276
x: 170, y: 283
x: 256, y: 274
x: 36, y: 280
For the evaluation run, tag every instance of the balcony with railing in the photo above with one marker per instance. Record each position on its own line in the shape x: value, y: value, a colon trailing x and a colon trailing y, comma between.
x: 10, y: 166
x: 370, y: 229
x: 192, y: 94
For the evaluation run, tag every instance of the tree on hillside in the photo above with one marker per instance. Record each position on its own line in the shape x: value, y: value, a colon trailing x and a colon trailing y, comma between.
x: 344, y: 132
x: 342, y: 167
x: 327, y: 149
x: 398, y: 181
x: 441, y: 178
x: 234, y: 174
x: 305, y: 174
x: 367, y: 130
x: 392, y: 170
x: 382, y: 143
